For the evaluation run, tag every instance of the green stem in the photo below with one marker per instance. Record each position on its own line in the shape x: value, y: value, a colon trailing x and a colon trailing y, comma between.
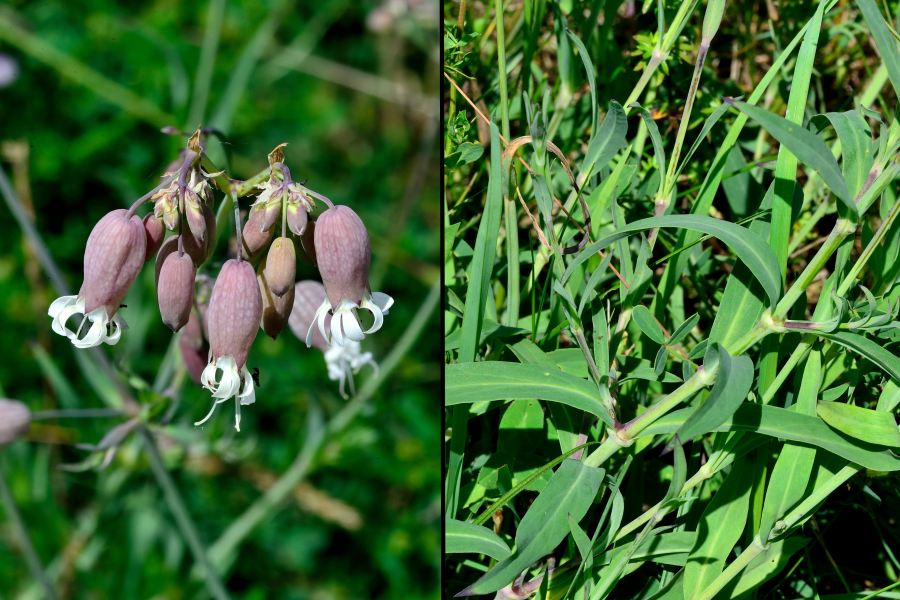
x: 734, y: 569
x: 182, y: 517
x: 699, y: 380
x: 841, y: 230
x: 885, y: 226
x: 21, y: 532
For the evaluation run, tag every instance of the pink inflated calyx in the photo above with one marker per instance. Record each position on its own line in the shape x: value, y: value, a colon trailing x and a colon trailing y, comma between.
x: 113, y: 257
x: 235, y: 309
x: 175, y: 289
x: 343, y: 254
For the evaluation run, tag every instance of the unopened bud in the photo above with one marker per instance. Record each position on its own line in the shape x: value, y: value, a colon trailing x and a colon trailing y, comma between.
x: 307, y: 241
x: 156, y: 233
x: 281, y: 266
x: 255, y: 235
x: 276, y: 310
x: 193, y: 346
x: 14, y: 420
x: 194, y: 213
x: 175, y: 290
x: 297, y: 218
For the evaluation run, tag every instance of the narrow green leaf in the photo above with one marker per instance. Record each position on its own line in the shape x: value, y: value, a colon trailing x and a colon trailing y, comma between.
x: 719, y: 529
x: 861, y: 423
x: 582, y: 541
x: 765, y: 566
x: 890, y: 363
x: 792, y: 426
x: 483, y: 259
x: 685, y: 328
x: 857, y: 147
x: 735, y: 376
x: 569, y: 492
x: 808, y: 147
x: 462, y: 537
x: 475, y: 382
x: 885, y: 43
x: 646, y: 323
x: 749, y: 246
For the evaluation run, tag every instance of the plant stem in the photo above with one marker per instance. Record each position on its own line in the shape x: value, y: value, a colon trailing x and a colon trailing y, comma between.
x: 841, y: 230
x: 885, y: 226
x: 21, y: 532
x: 733, y: 569
x: 702, y: 378
x: 76, y: 413
x: 182, y: 517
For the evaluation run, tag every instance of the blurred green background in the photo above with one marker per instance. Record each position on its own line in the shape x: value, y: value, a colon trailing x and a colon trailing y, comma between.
x: 84, y: 89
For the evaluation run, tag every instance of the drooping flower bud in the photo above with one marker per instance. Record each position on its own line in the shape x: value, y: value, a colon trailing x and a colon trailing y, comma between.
x: 201, y: 250
x: 297, y: 217
x: 194, y: 213
x: 281, y: 266
x: 175, y: 290
x: 343, y: 256
x: 156, y: 233
x: 113, y: 257
x: 276, y: 309
x: 255, y: 235
x: 235, y: 309
x: 308, y: 242
x: 343, y: 361
x: 14, y: 420
x: 193, y: 347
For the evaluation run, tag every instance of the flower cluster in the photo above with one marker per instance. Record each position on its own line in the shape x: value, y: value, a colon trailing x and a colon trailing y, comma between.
x: 218, y: 321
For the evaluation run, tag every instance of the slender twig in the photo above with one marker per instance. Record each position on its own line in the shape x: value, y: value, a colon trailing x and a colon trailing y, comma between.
x: 182, y: 517
x: 21, y: 532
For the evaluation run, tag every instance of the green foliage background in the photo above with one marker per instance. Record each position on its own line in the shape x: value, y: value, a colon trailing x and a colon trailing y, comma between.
x: 761, y: 486
x: 357, y: 104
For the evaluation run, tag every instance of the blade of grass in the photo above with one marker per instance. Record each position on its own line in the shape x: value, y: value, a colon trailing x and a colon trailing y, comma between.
x: 203, y: 78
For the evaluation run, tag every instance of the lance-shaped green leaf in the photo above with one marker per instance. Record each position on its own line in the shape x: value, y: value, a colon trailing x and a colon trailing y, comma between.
x: 720, y: 528
x: 885, y: 43
x: 750, y: 247
x: 648, y: 324
x: 788, y: 425
x: 483, y: 258
x: 861, y: 423
x: 733, y: 381
x: 857, y: 147
x: 868, y: 348
x: 807, y: 146
x: 462, y: 537
x: 570, y: 491
x: 794, y: 466
x: 466, y: 383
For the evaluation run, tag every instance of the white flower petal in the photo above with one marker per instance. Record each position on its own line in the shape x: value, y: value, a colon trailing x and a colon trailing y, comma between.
x: 318, y: 321
x: 351, y: 327
x: 60, y: 303
x: 97, y: 331
x: 383, y: 301
x: 248, y: 391
x: 64, y: 315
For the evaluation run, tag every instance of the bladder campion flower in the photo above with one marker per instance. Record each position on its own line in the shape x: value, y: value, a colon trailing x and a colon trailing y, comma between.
x: 342, y: 361
x: 343, y: 256
x: 232, y: 321
x: 113, y: 256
